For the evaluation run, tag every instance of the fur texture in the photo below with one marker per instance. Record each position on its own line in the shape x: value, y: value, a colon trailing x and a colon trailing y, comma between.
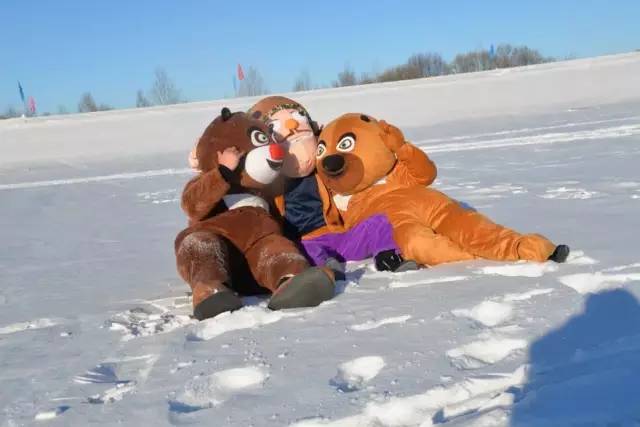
x: 371, y: 161
x: 228, y: 215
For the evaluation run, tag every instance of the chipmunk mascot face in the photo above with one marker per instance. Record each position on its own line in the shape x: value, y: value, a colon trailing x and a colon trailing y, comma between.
x: 262, y: 160
x: 353, y: 152
x: 290, y: 124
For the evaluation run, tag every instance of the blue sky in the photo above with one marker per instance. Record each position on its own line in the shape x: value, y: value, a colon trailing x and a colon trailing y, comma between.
x: 60, y: 49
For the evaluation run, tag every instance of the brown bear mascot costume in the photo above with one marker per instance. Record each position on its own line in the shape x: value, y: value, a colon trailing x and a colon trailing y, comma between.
x: 372, y: 169
x: 232, y: 239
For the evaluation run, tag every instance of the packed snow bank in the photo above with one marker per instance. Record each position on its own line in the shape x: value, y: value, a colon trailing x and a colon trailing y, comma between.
x: 531, y: 89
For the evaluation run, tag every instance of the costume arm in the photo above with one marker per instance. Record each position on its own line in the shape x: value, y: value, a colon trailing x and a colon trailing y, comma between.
x: 416, y: 167
x: 204, y: 192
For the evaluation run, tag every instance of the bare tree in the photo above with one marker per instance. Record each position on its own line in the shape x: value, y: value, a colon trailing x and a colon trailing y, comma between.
x: 346, y: 77
x: 252, y: 84
x: 366, y: 78
x: 515, y: 56
x: 303, y: 82
x: 477, y: 60
x: 427, y: 65
x: 164, y: 91
x: 87, y: 104
x: 9, y: 113
x: 141, y: 100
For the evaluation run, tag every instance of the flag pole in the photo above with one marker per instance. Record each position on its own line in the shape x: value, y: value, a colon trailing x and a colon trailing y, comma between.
x: 24, y: 102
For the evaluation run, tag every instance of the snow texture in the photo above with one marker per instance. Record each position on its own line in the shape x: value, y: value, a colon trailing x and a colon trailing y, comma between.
x: 354, y: 374
x: 95, y: 325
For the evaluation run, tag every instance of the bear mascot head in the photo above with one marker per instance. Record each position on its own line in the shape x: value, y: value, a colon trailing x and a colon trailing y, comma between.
x: 262, y: 159
x: 291, y: 125
x: 355, y: 152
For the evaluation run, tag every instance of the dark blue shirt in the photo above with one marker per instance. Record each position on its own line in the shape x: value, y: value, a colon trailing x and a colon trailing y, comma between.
x: 302, y: 206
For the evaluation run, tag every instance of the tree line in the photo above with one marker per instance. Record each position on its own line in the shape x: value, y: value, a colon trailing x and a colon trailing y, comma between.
x: 431, y: 64
x: 163, y: 91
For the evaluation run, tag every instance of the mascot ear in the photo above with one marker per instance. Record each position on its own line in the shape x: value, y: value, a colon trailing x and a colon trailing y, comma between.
x: 206, y: 155
x: 394, y: 138
x: 225, y: 113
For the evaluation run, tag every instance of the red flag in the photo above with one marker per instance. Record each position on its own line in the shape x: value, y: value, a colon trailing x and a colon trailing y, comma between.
x: 32, y: 105
x: 240, y: 73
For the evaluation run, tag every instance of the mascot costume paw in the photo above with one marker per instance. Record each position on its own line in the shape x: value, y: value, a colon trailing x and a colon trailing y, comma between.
x: 371, y: 169
x: 232, y: 243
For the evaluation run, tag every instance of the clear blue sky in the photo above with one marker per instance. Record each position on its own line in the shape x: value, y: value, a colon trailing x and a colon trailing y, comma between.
x: 60, y: 49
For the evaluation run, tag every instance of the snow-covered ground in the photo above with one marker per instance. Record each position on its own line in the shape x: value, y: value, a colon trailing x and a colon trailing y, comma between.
x: 94, y: 322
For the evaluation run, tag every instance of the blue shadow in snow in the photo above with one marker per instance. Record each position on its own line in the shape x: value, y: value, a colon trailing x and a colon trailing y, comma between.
x: 587, y: 371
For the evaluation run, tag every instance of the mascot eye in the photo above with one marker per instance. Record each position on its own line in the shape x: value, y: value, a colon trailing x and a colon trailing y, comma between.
x: 347, y: 143
x: 259, y: 138
x: 322, y: 149
x: 274, y: 126
x: 299, y: 116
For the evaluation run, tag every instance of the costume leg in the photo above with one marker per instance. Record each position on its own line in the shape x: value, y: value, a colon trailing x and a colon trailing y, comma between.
x: 480, y: 236
x: 318, y: 248
x: 277, y: 265
x: 274, y: 258
x: 419, y: 243
x: 202, y: 258
x: 366, y: 239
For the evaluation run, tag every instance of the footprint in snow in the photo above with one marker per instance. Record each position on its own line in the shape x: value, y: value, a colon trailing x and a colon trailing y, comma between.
x: 152, y: 317
x: 52, y: 413
x: 487, y: 313
x: 356, y: 373
x: 484, y: 352
x: 246, y: 318
x: 207, y: 391
x: 123, y: 374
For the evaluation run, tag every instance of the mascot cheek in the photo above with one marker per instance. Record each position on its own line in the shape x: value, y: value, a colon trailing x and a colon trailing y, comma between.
x: 259, y: 166
x: 301, y: 157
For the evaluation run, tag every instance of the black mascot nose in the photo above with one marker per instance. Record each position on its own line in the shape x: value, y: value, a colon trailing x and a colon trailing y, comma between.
x: 333, y: 165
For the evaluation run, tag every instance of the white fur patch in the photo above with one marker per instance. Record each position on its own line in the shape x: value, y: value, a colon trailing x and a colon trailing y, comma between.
x: 235, y: 201
x: 257, y: 167
x: 342, y: 202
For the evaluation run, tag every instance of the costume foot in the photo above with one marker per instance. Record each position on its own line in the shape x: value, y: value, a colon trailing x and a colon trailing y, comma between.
x: 391, y: 261
x: 307, y: 289
x: 337, y: 267
x: 217, y: 303
x: 560, y: 254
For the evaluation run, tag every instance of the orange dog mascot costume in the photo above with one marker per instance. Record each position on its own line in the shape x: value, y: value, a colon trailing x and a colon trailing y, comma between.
x: 371, y: 169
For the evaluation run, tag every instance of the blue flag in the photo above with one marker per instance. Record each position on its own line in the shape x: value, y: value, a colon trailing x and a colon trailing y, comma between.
x: 21, y: 92
x: 235, y: 90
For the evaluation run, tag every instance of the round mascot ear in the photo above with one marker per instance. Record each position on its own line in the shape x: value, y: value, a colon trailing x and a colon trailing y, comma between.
x: 392, y: 131
x: 225, y: 113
